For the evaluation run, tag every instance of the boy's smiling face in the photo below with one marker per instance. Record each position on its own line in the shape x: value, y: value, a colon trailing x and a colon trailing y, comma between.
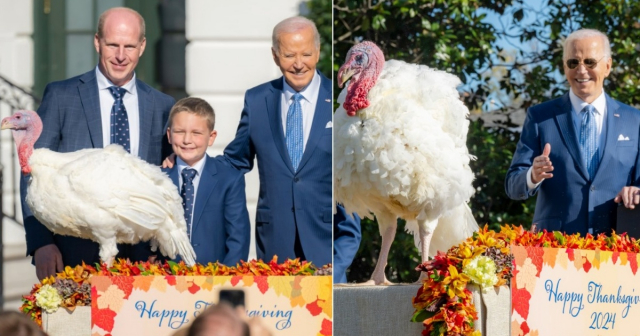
x: 190, y: 136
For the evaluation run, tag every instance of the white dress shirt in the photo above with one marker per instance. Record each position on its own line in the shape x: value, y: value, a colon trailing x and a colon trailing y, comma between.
x: 577, y: 104
x: 198, y: 166
x: 308, y: 104
x: 130, y: 101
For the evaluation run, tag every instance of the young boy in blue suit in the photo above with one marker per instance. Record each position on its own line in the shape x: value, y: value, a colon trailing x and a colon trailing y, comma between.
x: 213, y: 194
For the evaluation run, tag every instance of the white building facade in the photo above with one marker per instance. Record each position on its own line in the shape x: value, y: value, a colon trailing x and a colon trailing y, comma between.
x: 228, y: 52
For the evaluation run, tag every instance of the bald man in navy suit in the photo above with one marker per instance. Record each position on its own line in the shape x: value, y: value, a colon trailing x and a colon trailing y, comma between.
x: 76, y: 114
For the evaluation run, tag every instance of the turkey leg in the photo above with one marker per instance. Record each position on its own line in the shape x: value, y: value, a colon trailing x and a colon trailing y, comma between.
x: 425, y: 230
x: 387, y: 224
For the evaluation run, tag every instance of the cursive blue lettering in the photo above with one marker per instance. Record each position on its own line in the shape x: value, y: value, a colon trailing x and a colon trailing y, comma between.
x: 284, y: 316
x: 572, y: 298
x: 174, y: 318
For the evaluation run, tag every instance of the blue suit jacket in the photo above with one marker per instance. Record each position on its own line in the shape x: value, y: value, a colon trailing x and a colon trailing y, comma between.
x: 346, y: 241
x: 569, y: 201
x: 221, y: 229
x: 70, y: 113
x: 290, y: 203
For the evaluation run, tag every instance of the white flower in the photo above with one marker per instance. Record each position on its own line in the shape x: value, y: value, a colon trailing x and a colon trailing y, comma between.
x: 48, y: 299
x: 482, y: 271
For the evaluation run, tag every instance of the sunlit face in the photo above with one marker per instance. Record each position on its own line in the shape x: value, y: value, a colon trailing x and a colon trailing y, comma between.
x: 120, y: 48
x: 189, y: 136
x: 587, y: 83
x: 297, y: 57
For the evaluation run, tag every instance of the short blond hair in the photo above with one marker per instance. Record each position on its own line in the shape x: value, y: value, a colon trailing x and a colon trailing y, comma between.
x: 197, y: 106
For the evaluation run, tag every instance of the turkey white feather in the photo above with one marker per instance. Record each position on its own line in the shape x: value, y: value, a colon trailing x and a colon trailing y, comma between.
x: 106, y: 195
x: 400, y: 151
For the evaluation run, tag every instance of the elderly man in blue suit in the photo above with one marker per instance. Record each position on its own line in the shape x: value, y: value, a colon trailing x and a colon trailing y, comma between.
x: 286, y: 124
x: 579, y: 152
x: 81, y: 112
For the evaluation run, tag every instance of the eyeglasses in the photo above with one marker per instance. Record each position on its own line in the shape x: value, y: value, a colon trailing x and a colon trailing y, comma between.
x: 590, y: 63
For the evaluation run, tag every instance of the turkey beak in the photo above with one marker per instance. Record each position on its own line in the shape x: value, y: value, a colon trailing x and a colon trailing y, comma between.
x: 6, y: 124
x: 344, y: 75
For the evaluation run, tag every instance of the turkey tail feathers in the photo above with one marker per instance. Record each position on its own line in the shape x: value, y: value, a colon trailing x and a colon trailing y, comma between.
x: 452, y: 229
x: 182, y: 244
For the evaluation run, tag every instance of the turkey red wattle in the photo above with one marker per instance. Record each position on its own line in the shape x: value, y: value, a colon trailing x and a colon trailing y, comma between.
x: 363, y: 65
x: 26, y: 128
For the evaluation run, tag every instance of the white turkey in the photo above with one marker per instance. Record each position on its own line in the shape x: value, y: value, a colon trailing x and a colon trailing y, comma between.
x: 106, y: 195
x: 400, y: 151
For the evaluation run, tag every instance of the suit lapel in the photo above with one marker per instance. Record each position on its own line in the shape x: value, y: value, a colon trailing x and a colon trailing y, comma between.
x: 275, y: 120
x: 208, y: 181
x: 173, y: 174
x: 612, y: 127
x: 90, y: 98
x: 145, y: 108
x: 564, y: 119
x: 320, y: 120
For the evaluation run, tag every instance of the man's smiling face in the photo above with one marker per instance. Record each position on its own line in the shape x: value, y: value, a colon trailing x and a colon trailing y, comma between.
x: 587, y: 83
x: 297, y: 56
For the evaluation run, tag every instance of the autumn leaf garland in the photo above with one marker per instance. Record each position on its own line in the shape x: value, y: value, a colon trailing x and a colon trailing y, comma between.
x: 443, y: 303
x: 72, y: 287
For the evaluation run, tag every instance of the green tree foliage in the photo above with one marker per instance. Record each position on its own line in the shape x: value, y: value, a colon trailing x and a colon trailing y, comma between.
x: 320, y: 13
x: 451, y: 35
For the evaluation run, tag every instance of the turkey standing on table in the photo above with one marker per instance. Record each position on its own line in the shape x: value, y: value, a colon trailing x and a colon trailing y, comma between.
x: 400, y: 151
x: 106, y: 195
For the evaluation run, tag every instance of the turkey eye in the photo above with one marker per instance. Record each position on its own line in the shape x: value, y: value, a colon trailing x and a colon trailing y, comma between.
x: 359, y: 59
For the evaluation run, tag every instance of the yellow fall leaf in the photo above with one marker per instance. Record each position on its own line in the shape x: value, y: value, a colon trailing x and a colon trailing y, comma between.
x: 248, y: 280
x: 297, y: 301
x: 159, y: 283
x: 182, y: 284
x: 221, y: 279
x: 562, y: 259
x: 623, y: 258
x: 310, y: 288
x: 199, y: 280
x: 578, y: 260
x: 208, y: 283
x: 281, y: 285
x: 326, y: 288
x: 326, y: 306
x: 112, y: 298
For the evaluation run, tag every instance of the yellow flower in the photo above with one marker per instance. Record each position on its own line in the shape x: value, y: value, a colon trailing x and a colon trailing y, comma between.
x: 48, y: 299
x: 482, y: 271
x: 457, y: 282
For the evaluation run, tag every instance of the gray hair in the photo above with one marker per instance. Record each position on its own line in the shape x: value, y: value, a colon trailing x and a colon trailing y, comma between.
x: 292, y: 25
x: 587, y: 33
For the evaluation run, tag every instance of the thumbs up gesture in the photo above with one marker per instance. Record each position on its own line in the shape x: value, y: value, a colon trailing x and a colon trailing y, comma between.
x: 542, y: 166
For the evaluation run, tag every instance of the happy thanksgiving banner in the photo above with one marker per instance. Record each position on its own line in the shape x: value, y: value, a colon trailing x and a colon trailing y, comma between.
x: 160, y: 305
x: 574, y: 292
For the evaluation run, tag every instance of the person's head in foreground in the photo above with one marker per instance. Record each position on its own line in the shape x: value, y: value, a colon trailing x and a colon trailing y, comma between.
x: 219, y: 320
x: 17, y: 324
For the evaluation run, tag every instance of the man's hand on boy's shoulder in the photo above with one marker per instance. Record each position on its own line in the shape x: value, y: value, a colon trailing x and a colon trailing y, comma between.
x: 169, y: 161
